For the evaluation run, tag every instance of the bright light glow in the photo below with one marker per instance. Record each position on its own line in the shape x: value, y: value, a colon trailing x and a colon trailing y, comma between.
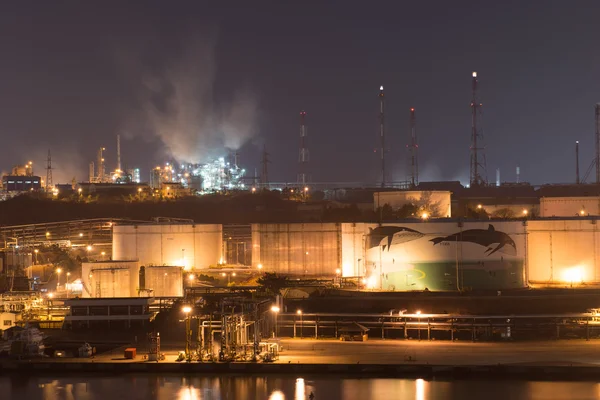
x: 47, y: 233
x: 364, y: 281
x: 275, y: 309
x: 58, y: 270
x: 223, y: 274
x: 68, y: 274
x: 103, y: 253
x: 189, y: 393
x: 299, y: 312
x: 36, y: 251
x: 420, y: 389
x: 338, y: 271
x: 80, y: 234
x: 233, y: 274
x: 371, y: 282
x: 191, y: 277
x: 425, y: 215
x: 474, y: 74
x: 418, y: 312
x: 582, y: 212
x: 525, y: 212
x: 300, y: 389
x: 75, y: 286
x: 253, y: 189
x: 259, y: 266
x: 50, y: 295
x: 573, y: 274
x: 479, y: 206
x: 380, y: 87
x: 186, y: 309
x: 306, y: 189
x: 89, y: 248
x: 277, y: 395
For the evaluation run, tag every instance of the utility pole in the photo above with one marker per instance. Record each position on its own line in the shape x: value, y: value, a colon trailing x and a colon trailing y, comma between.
x: 478, y: 177
x: 382, y: 133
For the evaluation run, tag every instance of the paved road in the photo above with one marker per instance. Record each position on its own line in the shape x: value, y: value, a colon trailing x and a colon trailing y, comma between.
x: 440, y: 353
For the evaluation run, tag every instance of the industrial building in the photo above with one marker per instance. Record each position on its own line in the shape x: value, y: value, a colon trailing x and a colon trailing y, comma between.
x: 115, y: 313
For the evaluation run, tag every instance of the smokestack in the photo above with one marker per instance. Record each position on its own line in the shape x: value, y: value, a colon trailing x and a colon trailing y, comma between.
x: 118, y: 153
x: 577, y: 162
x: 518, y: 174
x: 497, y: 176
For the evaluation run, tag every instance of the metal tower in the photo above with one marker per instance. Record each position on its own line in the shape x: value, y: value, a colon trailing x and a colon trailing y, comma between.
x: 577, y: 162
x: 382, y: 133
x: 101, y: 167
x: 119, y: 153
x: 303, y: 155
x: 414, y: 150
x: 49, y: 182
x: 478, y: 164
x: 264, y: 176
x: 598, y: 143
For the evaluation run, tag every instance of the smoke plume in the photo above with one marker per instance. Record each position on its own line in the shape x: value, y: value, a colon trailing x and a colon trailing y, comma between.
x: 178, y: 105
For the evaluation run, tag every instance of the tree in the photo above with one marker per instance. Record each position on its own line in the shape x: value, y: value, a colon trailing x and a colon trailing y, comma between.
x: 273, y: 282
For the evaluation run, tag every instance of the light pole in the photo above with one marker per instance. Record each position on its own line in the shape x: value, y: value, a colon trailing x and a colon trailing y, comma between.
x: 191, y: 278
x: 67, y: 284
x: 299, y: 312
x: 36, y: 251
x: 419, y: 323
x: 58, y: 271
x: 338, y: 273
x: 275, y: 310
x: 103, y: 254
x: 188, y: 333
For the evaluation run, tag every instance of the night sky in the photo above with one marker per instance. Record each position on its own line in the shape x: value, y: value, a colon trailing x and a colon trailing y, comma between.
x: 183, y: 80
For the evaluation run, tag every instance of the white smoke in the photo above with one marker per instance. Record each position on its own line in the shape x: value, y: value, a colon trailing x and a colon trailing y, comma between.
x: 178, y: 106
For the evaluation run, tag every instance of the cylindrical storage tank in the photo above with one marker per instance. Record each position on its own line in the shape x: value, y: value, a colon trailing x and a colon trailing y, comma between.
x: 164, y: 281
x: 110, y: 279
x: 191, y: 246
x: 297, y: 249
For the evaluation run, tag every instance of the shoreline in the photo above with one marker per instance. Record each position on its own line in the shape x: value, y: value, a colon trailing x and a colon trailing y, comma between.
x: 543, y: 372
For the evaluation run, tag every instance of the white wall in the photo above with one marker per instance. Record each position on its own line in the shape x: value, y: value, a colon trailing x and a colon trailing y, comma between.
x: 397, y: 199
x: 185, y: 245
x: 164, y: 281
x: 569, y: 206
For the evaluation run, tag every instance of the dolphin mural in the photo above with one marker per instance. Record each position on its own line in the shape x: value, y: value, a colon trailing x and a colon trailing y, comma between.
x: 393, y: 234
x: 483, y: 237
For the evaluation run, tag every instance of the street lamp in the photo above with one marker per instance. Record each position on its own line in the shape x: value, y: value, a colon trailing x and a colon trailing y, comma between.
x: 188, y: 331
x: 89, y: 248
x: 337, y: 275
x: 275, y: 310
x: 299, y: 312
x: 36, y: 251
x: 103, y: 254
x: 259, y: 266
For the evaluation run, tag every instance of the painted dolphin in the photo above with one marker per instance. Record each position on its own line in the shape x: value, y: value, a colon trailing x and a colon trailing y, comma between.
x: 483, y: 237
x: 393, y: 234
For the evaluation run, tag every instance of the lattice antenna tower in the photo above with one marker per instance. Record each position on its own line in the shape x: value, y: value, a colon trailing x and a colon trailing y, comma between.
x: 478, y: 163
x: 382, y: 132
x: 413, y: 148
x: 49, y: 182
x: 303, y: 154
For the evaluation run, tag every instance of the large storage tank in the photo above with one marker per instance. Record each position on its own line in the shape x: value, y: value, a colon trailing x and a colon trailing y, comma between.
x: 185, y: 245
x: 164, y: 281
x: 297, y: 249
x: 110, y: 279
x: 569, y: 206
x: 564, y: 251
x: 436, y: 255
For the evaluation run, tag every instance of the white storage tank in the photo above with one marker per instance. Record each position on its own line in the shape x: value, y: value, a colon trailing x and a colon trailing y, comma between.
x: 187, y: 245
x: 163, y: 281
x: 110, y: 279
x: 297, y: 249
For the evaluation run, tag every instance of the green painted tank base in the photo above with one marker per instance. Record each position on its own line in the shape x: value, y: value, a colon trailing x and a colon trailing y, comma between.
x: 442, y: 276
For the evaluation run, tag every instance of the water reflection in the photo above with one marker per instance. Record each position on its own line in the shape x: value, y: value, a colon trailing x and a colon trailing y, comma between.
x: 169, y: 387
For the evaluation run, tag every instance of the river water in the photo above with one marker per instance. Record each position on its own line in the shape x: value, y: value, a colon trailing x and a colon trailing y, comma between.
x: 177, y: 387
